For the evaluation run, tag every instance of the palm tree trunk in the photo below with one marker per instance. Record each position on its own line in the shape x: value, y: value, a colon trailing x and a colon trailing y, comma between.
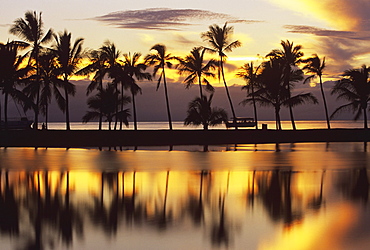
x: 200, y: 87
x: 167, y: 100
x: 365, y: 119
x: 36, y: 123
x: 227, y: 93
x: 134, y: 110
x: 67, y: 106
x: 46, y: 115
x: 254, y: 107
x: 121, y: 121
x: 324, y: 101
x: 277, y: 118
x: 0, y: 114
x: 292, y: 117
x: 100, y: 120
x: 6, y: 111
x: 115, y: 123
x: 286, y: 82
x: 101, y: 106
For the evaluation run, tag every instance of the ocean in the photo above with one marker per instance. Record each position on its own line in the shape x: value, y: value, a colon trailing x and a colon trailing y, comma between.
x: 316, y: 124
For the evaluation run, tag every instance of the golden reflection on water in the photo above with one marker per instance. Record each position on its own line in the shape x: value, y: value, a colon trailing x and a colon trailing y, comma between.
x: 86, y: 199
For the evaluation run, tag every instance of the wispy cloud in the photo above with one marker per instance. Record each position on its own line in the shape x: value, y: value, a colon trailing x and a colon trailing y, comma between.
x: 342, y: 48
x: 345, y: 42
x: 163, y: 18
x: 304, y: 29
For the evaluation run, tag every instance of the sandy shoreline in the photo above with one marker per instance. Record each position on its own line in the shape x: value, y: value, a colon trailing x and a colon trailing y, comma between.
x: 106, y: 138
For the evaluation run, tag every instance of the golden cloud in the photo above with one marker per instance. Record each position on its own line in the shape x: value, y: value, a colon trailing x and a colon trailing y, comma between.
x: 340, y: 14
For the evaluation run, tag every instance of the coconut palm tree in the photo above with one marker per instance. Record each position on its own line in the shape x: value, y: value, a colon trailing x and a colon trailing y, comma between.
x: 98, y: 67
x: 134, y: 69
x: 290, y: 55
x: 12, y: 73
x: 104, y: 103
x: 31, y: 30
x: 355, y: 88
x: 200, y: 112
x: 250, y: 74
x: 68, y: 57
x: 194, y: 67
x: 272, y: 90
x: 160, y: 60
x: 315, y: 66
x: 113, y: 67
x: 49, y: 83
x: 218, y: 39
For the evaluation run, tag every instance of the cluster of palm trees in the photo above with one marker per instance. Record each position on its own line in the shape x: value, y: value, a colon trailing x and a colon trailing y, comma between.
x: 45, y: 72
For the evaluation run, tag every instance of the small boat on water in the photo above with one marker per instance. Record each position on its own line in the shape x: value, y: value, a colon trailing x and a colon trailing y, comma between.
x: 23, y: 123
x: 241, y: 122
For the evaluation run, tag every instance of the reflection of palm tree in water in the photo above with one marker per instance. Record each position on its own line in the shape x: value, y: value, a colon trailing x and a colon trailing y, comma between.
x: 316, y: 202
x: 9, y: 208
x: 359, y: 190
x: 276, y: 196
x: 195, y: 206
x: 220, y: 231
x: 161, y: 219
x: 50, y: 211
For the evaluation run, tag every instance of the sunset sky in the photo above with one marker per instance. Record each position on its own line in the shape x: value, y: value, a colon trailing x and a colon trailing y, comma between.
x: 336, y: 29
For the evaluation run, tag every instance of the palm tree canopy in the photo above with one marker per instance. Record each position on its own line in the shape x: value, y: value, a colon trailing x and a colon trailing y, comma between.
x: 132, y: 67
x: 219, y: 39
x: 289, y: 53
x: 105, y: 103
x: 97, y: 67
x: 271, y: 90
x: 159, y: 59
x: 69, y: 55
x: 314, y: 66
x: 355, y: 88
x: 31, y: 29
x: 250, y: 75
x: 194, y: 67
x: 200, y: 112
x: 11, y: 69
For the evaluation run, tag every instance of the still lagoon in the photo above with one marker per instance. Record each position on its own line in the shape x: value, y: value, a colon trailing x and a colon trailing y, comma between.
x: 265, y: 196
x: 304, y: 196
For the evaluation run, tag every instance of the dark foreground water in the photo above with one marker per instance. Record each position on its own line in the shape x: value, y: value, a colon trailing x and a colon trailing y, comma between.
x: 301, y: 196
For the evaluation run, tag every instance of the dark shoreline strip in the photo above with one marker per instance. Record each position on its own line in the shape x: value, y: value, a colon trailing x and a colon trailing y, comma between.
x: 106, y: 138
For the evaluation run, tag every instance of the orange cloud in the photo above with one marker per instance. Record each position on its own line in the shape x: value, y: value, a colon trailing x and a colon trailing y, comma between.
x: 340, y: 14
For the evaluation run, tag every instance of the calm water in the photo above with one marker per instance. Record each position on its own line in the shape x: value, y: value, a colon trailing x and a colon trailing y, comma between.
x: 304, y: 196
x: 180, y: 125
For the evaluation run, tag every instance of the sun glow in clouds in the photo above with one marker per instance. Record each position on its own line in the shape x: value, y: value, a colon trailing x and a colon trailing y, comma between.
x: 341, y: 14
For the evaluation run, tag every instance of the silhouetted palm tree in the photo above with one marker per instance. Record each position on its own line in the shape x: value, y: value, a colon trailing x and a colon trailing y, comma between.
x: 200, y: 112
x: 104, y: 104
x: 134, y: 68
x: 69, y: 57
x: 31, y: 30
x: 290, y: 55
x: 315, y: 66
x: 160, y: 59
x: 12, y: 73
x: 194, y: 67
x: 99, y: 67
x: 250, y: 74
x: 219, y: 40
x: 113, y: 67
x: 47, y: 82
x: 273, y: 92
x: 355, y: 88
